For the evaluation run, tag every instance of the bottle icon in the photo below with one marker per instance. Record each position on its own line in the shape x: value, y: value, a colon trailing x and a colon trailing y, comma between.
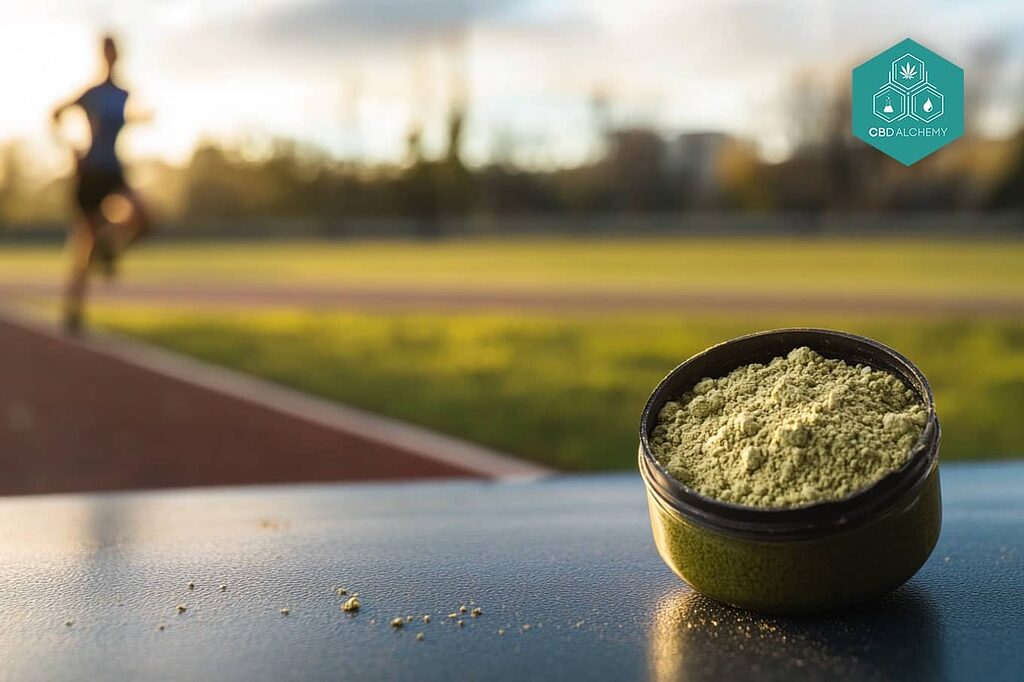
x: 887, y: 109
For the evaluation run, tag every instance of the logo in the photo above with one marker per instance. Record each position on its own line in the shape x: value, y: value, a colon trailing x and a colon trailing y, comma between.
x: 908, y: 102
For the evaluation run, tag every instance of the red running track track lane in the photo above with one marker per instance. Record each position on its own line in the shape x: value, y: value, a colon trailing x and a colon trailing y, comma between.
x: 73, y: 418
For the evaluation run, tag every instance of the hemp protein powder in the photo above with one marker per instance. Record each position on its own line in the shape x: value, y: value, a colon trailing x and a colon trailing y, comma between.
x: 798, y: 430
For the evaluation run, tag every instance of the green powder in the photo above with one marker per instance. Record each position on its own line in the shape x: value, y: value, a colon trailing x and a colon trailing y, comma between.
x: 798, y: 430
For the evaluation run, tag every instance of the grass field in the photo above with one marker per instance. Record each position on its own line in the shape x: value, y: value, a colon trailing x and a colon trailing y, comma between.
x: 919, y: 266
x: 568, y: 391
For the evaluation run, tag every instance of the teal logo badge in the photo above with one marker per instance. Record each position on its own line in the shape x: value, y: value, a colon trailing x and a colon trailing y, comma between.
x: 908, y: 102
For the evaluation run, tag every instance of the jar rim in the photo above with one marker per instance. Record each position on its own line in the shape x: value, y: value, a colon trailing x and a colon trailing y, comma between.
x: 803, y: 521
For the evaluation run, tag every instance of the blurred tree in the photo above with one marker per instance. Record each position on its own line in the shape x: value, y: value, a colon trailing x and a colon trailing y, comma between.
x: 10, y: 180
x: 1009, y: 193
x: 210, y: 185
x: 419, y: 185
x: 635, y: 170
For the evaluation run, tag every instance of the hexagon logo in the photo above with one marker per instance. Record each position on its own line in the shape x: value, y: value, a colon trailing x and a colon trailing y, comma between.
x: 908, y: 102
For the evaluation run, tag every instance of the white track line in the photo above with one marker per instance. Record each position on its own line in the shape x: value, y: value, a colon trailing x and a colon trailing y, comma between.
x: 413, y: 439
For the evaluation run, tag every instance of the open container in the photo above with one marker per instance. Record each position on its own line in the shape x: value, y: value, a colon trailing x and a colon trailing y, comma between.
x: 803, y: 559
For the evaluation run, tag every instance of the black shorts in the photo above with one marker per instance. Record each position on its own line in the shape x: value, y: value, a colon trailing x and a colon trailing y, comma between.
x: 96, y: 185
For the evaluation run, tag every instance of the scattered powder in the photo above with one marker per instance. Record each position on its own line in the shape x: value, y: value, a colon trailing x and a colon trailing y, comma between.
x: 420, y: 637
x: 426, y: 618
x: 223, y: 587
x: 285, y: 611
x: 476, y: 612
x: 798, y: 430
x: 182, y: 608
x: 396, y: 623
x: 351, y: 604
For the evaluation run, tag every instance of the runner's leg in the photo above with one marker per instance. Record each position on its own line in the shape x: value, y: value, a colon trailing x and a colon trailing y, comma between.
x: 80, y: 244
x: 138, y: 223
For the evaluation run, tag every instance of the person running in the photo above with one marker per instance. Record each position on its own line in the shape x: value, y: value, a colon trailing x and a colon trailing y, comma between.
x: 111, y: 215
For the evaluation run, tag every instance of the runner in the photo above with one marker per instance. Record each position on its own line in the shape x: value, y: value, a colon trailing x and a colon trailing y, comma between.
x: 110, y: 214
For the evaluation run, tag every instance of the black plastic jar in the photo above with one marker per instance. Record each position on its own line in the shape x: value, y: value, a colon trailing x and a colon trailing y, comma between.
x: 810, y: 558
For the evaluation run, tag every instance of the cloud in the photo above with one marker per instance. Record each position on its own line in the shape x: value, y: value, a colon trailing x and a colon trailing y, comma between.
x: 376, y: 19
x: 532, y: 65
x: 313, y: 37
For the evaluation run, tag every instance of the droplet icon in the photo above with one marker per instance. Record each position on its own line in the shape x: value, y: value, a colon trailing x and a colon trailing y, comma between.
x: 928, y: 106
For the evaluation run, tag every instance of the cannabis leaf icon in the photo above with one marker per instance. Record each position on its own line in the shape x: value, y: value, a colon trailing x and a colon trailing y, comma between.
x: 908, y: 71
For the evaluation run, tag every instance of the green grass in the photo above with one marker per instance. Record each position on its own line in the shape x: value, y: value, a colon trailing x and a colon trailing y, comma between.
x: 918, y: 266
x: 568, y: 391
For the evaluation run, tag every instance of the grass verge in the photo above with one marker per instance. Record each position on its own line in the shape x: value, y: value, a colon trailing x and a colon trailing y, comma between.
x: 567, y: 391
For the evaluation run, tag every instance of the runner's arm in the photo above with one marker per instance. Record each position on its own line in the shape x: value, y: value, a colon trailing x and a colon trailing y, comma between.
x: 55, y: 124
x: 59, y: 110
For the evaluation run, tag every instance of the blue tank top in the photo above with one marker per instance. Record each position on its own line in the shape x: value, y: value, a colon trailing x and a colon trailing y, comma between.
x: 104, y: 107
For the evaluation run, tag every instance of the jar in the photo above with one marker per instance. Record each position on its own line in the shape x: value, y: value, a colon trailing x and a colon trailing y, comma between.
x: 810, y: 558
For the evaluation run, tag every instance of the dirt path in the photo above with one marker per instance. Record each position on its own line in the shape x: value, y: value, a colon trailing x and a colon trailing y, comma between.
x: 92, y: 416
x: 432, y: 298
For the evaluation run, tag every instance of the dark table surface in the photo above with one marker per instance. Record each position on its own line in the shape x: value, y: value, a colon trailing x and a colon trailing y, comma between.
x: 572, y: 558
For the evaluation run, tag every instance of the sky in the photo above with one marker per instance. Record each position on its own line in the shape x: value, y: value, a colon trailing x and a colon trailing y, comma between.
x: 354, y: 76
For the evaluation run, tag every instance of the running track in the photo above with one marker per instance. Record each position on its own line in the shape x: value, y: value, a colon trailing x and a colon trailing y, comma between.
x: 78, y: 416
x: 108, y: 415
x: 438, y: 298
